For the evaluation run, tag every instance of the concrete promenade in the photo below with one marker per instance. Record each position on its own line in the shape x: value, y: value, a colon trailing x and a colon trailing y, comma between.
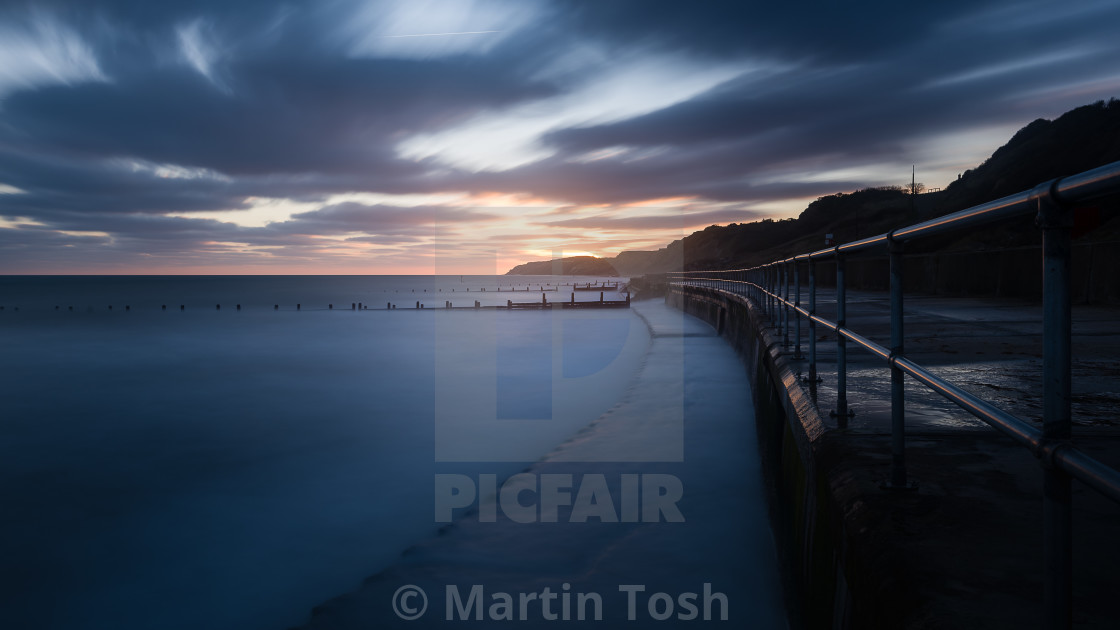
x: 725, y: 540
x: 965, y: 550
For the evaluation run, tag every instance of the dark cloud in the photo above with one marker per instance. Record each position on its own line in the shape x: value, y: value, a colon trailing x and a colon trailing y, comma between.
x: 809, y: 118
x: 282, y: 115
x: 334, y: 220
x: 378, y: 219
x: 712, y: 173
x: 54, y: 183
x: 833, y: 30
x: 662, y: 221
x: 289, y: 115
x: 282, y: 103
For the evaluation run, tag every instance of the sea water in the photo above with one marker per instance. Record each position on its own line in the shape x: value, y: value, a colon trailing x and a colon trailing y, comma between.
x: 168, y: 460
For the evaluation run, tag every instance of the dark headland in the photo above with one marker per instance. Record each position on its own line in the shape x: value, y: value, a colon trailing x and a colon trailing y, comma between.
x: 1077, y: 141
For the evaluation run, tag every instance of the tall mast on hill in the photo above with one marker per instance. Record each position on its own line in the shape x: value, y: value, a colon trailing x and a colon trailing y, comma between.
x: 913, y: 188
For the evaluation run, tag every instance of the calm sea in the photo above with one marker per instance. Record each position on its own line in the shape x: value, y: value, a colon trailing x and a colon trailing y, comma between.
x: 198, y: 467
x: 98, y: 293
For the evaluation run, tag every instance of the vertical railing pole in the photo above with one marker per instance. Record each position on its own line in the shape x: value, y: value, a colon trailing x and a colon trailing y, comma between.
x: 841, y: 346
x: 797, y: 304
x: 1056, y: 385
x: 775, y: 280
x: 785, y: 305
x: 898, y: 479
x: 763, y: 298
x: 812, y: 324
x: 769, y: 293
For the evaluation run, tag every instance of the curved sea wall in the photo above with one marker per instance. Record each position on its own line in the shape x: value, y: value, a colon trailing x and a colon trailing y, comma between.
x: 834, y: 577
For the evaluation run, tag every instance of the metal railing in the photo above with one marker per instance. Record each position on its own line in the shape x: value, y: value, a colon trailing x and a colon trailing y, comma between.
x: 768, y: 286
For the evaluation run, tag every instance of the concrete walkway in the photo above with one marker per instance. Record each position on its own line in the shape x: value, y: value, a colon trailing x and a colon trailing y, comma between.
x: 686, y: 417
x: 992, y: 348
x: 965, y: 550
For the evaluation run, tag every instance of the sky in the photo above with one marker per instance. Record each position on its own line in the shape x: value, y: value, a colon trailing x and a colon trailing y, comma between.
x: 468, y: 136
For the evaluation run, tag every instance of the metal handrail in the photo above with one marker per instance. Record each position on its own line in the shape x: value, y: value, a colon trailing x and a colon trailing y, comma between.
x: 768, y: 287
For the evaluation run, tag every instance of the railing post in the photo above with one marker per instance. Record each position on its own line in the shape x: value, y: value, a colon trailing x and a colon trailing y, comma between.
x: 767, y: 273
x: 785, y: 305
x: 841, y: 411
x: 812, y: 324
x: 898, y: 479
x: 765, y: 299
x: 775, y: 314
x: 1056, y: 223
x: 775, y: 283
x: 797, y: 305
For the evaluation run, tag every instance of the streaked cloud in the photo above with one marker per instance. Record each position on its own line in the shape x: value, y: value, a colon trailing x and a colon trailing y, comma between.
x: 37, y: 49
x: 177, y: 136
